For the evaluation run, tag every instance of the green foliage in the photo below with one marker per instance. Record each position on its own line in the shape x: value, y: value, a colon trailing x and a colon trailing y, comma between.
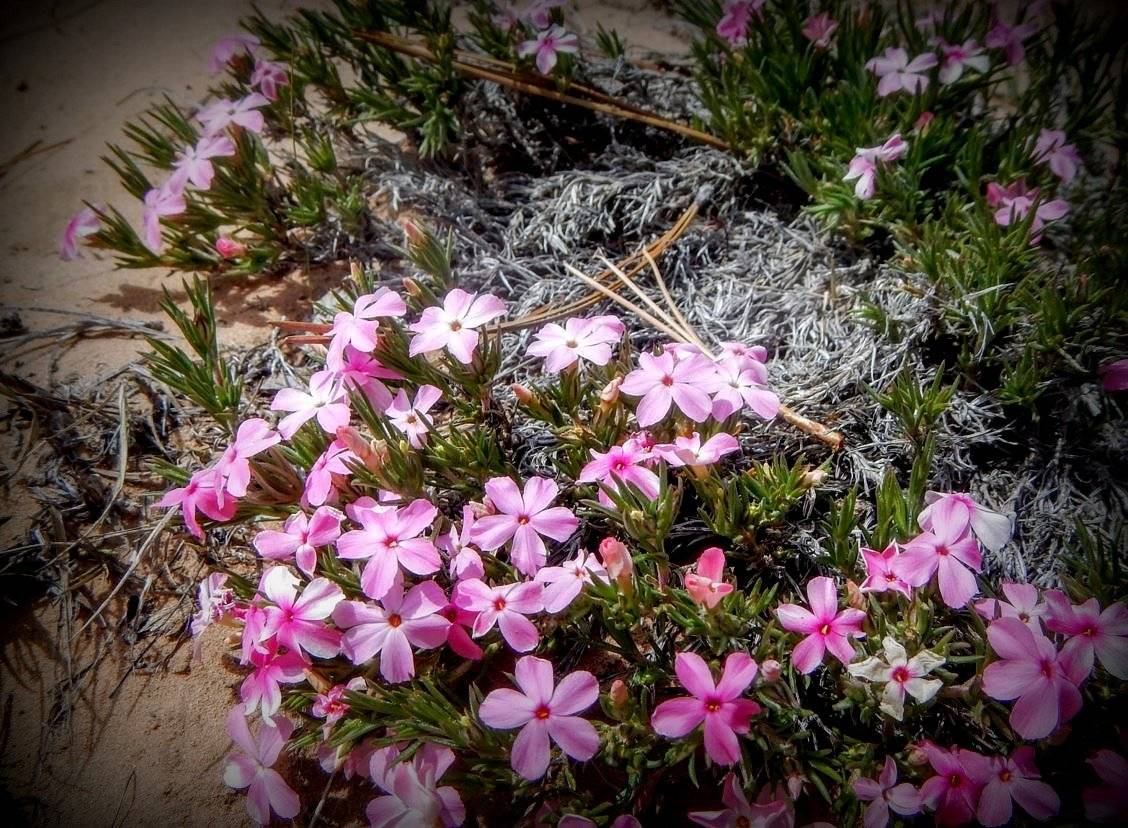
x: 918, y: 407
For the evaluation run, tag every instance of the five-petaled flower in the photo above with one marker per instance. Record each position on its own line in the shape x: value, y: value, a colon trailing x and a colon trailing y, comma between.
x: 884, y: 794
x: 453, y: 325
x: 253, y: 769
x: 897, y: 72
x: 547, y: 45
x: 704, y: 584
x: 390, y: 539
x: 298, y: 623
x: 193, y: 165
x: 564, y: 583
x: 219, y: 115
x: 881, y: 574
x: 299, y: 538
x: 900, y: 675
x: 413, y: 794
x: 620, y: 464
x: 818, y: 28
x: 505, y: 605
x: 668, y: 379
x: 82, y: 224
x: 1051, y: 149
x: 1091, y: 633
x: 579, y: 338
x: 1009, y: 780
x: 824, y: 627
x: 160, y: 202
x: 523, y: 517
x: 957, y: 57
x: 866, y: 160
x: 409, y: 415
x: 948, y: 550
x: 325, y: 400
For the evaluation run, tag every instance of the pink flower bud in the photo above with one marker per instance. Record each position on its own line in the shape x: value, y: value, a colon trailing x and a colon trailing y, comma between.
x: 924, y: 120
x: 610, y: 393
x: 770, y: 670
x: 522, y: 393
x: 228, y: 248
x: 411, y: 287
x: 618, y: 694
x: 372, y: 455
x: 795, y: 784
x: 412, y: 235
x: 617, y: 560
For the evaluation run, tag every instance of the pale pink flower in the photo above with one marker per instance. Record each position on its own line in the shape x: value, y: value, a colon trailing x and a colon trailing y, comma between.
x: 268, y: 76
x: 1011, y: 39
x: 216, y: 604
x: 464, y: 559
x: 325, y: 400
x: 298, y: 622
x: 228, y: 47
x: 524, y: 517
x: 864, y: 165
x: 544, y: 711
x: 765, y: 812
x: 991, y: 528
x: 705, y: 585
x: 620, y: 464
x: 1007, y: 781
x: 1014, y: 203
x: 393, y: 627
x: 160, y: 202
x: 390, y: 540
x: 825, y: 627
x: 690, y: 451
x: 1091, y: 633
x: 1108, y: 804
x: 733, y: 26
x: 719, y: 705
x: 666, y: 380
x: 1114, y: 375
x: 1030, y: 670
x: 901, y: 675
x: 538, y: 13
x: 579, y: 338
x: 229, y: 248
x: 1022, y: 603
x: 564, y: 583
x: 299, y: 538
x: 881, y: 575
x: 1062, y: 158
x: 260, y: 689
x: 409, y: 416
x: 547, y: 45
x: 741, y: 380
x: 253, y: 769
x: 193, y: 165
x: 413, y: 795
x: 946, y: 550
x: 199, y: 495
x: 233, y: 469
x: 957, y: 58
x: 244, y: 112
x: 359, y: 327
x: 884, y: 795
x: 453, y: 325
x: 896, y: 72
x: 818, y: 28
x: 319, y: 480
x: 331, y: 705
x: 82, y: 224
x: 951, y: 793
x: 505, y: 605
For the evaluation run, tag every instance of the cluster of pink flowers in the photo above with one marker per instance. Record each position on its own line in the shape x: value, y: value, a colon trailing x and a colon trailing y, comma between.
x: 863, y: 166
x: 549, y: 40
x: 1014, y: 203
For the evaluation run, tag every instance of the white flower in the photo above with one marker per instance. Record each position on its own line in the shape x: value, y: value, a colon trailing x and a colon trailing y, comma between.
x: 900, y: 675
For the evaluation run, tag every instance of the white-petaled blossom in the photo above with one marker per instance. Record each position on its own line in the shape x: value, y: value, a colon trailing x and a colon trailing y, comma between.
x: 900, y: 675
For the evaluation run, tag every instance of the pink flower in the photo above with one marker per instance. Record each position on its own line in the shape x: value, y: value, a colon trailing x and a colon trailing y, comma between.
x: 576, y: 821
x: 765, y: 813
x: 733, y: 26
x: 818, y: 29
x: 547, y: 45
x: 864, y: 165
x: 1109, y: 803
x: 579, y: 338
x: 897, y: 72
x: 228, y: 47
x: 1092, y: 633
x: 951, y: 793
x: 946, y: 549
x: 228, y: 248
x: 319, y: 480
x: 956, y: 58
x: 1029, y: 669
x: 394, y: 627
x: 544, y: 710
x: 666, y: 380
x: 689, y: 451
x: 1011, y: 39
x: 198, y: 496
x: 219, y: 115
x: 270, y: 669
x: 162, y: 201
x: 452, y: 326
x: 268, y: 76
x: 538, y: 14
x: 216, y: 603
x: 414, y: 797
x: 564, y: 583
x: 505, y: 605
x: 741, y: 380
x: 465, y: 562
x: 881, y: 575
x: 825, y: 628
x: 1062, y: 158
x: 408, y: 417
x: 719, y: 706
x: 617, y: 560
x: 325, y: 400
x: 298, y: 624
x: 253, y: 769
x: 1022, y: 603
x: 885, y: 795
x: 1015, y: 202
x: 233, y: 469
x: 390, y: 540
x: 1114, y: 375
x: 620, y: 464
x: 704, y: 585
x: 331, y: 705
x: 359, y: 327
x: 991, y: 528
x: 194, y: 166
x: 300, y: 537
x: 457, y: 638
x: 1007, y: 781
x: 524, y: 518
x: 82, y: 224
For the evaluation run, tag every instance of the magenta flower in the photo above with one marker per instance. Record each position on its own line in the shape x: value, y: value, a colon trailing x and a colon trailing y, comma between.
x: 219, y: 115
x: 268, y: 76
x: 253, y: 769
x: 579, y: 338
x: 198, y: 496
x: 408, y: 416
x: 505, y: 605
x: 261, y: 688
x: 1092, y: 633
x: 740, y: 380
x: 413, y: 795
x: 704, y: 585
x: 951, y: 793
x: 818, y: 28
x: 991, y: 528
x: 228, y: 47
x: 719, y: 706
x: 360, y: 371
x: 544, y: 710
x: 82, y: 224
x: 228, y: 248
x: 884, y: 795
x: 547, y: 45
x: 733, y: 26
x: 160, y: 202
x: 1011, y: 39
x: 1007, y: 781
x: 233, y: 469
x: 564, y: 583
x: 863, y: 166
x: 1109, y: 803
x: 1022, y: 603
x: 1062, y: 158
x: 881, y: 575
x: 319, y: 480
x: 331, y: 705
x: 524, y: 518
x: 765, y: 812
x: 1114, y: 375
x: 394, y: 627
x: 457, y: 638
x: 825, y: 627
x: 359, y: 327
x: 1014, y: 203
x: 464, y: 559
x: 300, y: 537
x: 453, y: 325
x: 298, y: 623
x: 325, y: 400
x: 968, y: 55
x: 896, y: 72
x: 390, y: 540
x: 666, y: 380
x: 620, y: 464
x: 947, y: 549
x: 1030, y: 670
x: 193, y: 165
x: 689, y: 451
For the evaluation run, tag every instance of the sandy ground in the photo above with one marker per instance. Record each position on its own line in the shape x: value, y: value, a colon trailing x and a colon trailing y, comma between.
x: 144, y: 742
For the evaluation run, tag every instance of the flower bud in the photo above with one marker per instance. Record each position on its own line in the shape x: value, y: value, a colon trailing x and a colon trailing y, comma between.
x: 618, y: 695
x: 812, y: 478
x: 610, y: 393
x: 372, y: 455
x: 795, y: 784
x: 522, y: 393
x: 917, y: 756
x: 412, y: 288
x: 228, y: 248
x: 617, y: 561
x: 412, y: 235
x: 770, y: 670
x: 924, y: 120
x: 855, y: 599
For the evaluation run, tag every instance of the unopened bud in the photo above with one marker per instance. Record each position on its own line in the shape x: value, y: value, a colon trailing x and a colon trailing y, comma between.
x: 855, y: 598
x: 355, y: 272
x: 770, y: 670
x: 522, y: 393
x: 412, y: 288
x: 924, y: 120
x: 610, y: 394
x: 372, y: 455
x: 412, y: 235
x: 228, y: 248
x: 618, y: 695
x: 917, y: 756
x: 617, y: 561
x: 795, y: 784
x: 812, y: 478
